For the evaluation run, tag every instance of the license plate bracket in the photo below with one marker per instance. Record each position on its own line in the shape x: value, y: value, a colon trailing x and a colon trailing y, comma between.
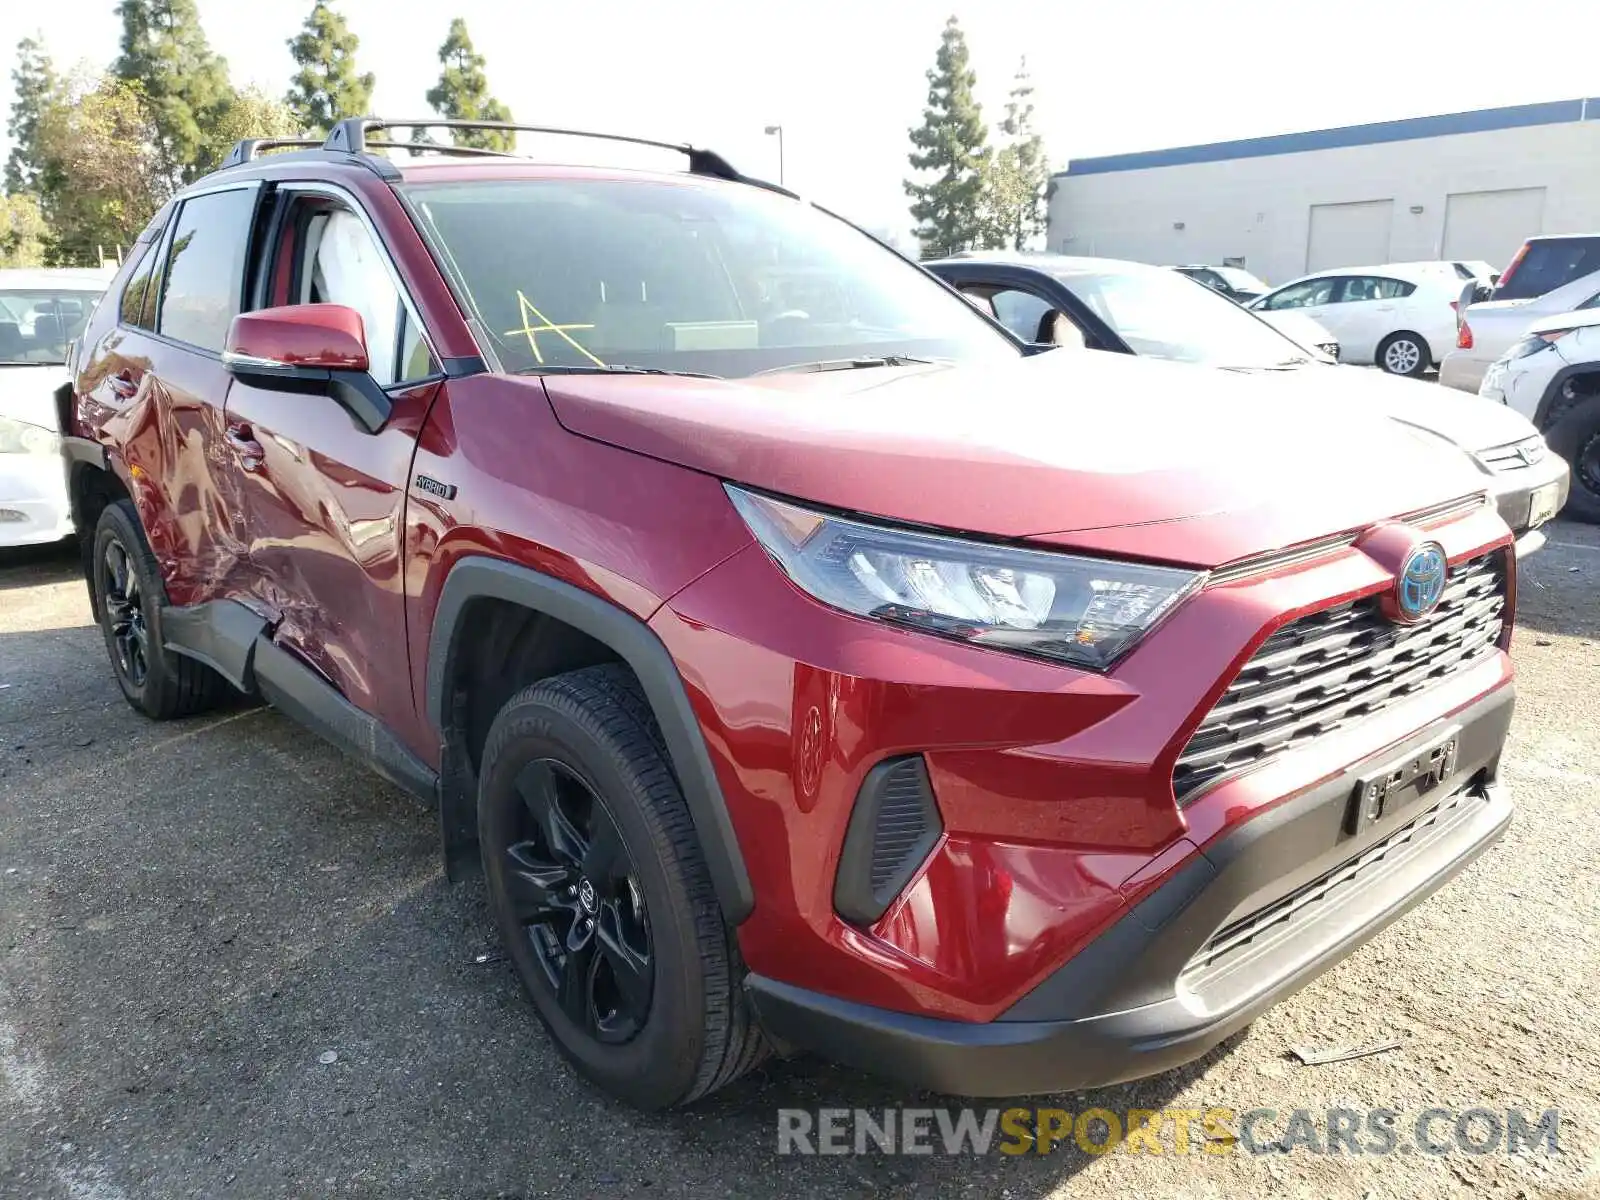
x: 1387, y: 791
x: 1542, y: 504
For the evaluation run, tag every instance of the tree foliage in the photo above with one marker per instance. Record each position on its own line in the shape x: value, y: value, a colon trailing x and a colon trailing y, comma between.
x: 184, y: 85
x: 951, y: 143
x: 33, y: 80
x: 462, y: 93
x: 105, y: 172
x: 254, y: 114
x: 1017, y: 175
x: 327, y: 85
x: 22, y: 231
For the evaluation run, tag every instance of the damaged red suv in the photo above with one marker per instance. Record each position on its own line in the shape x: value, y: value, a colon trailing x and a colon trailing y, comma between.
x: 812, y: 665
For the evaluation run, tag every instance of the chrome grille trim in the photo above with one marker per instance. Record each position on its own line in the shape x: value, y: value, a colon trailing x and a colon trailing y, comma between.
x: 1326, y: 670
x: 1514, y: 456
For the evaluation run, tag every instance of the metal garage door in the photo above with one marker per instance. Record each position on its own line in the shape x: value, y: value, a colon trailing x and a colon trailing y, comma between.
x: 1491, y: 225
x: 1349, y: 235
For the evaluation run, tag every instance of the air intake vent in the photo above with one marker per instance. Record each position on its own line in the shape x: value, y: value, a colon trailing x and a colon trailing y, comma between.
x: 894, y: 826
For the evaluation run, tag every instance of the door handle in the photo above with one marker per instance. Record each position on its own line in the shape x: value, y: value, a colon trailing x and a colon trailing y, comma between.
x: 123, y: 385
x: 252, y: 454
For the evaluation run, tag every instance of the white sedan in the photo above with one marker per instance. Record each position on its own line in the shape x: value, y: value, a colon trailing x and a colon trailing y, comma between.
x: 1401, y: 317
x: 41, y: 312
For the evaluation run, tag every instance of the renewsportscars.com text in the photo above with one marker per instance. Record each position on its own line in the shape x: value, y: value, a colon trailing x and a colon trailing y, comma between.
x: 1375, y: 1131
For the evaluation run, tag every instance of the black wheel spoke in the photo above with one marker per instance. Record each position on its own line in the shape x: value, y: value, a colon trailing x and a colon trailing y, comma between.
x: 606, y: 856
x: 630, y: 967
x: 577, y: 987
x: 535, y: 890
x: 540, y: 787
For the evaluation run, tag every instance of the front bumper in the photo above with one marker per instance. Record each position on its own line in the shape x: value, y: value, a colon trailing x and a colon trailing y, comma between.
x: 1259, y: 913
x: 33, y: 500
x: 1527, y: 497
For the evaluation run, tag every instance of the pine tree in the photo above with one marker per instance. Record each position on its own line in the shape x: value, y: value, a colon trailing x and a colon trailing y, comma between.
x: 462, y: 93
x: 950, y: 141
x: 1017, y: 176
x: 33, y: 81
x: 165, y: 55
x: 326, y: 87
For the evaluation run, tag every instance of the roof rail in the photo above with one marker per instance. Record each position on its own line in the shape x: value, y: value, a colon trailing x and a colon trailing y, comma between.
x: 350, y: 137
x: 247, y: 149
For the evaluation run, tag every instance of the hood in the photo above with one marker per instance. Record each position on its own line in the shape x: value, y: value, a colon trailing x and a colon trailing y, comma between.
x: 27, y: 392
x: 1572, y: 320
x: 1468, y: 420
x: 1299, y: 328
x: 1192, y: 466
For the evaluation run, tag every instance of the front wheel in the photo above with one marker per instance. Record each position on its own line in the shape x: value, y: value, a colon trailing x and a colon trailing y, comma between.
x: 1403, y: 354
x: 127, y: 588
x: 1576, y: 438
x: 602, y: 896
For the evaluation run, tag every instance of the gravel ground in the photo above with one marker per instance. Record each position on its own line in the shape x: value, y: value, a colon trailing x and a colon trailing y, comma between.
x: 231, y: 967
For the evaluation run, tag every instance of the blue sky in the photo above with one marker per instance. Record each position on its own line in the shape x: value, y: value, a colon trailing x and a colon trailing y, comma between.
x: 846, y: 80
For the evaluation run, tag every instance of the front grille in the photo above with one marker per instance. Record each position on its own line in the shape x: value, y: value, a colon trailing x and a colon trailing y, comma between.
x: 1513, y: 456
x: 1257, y: 931
x: 1324, y: 671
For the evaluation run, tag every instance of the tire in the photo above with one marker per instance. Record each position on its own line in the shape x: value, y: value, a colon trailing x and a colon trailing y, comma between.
x: 1404, y: 354
x: 581, y: 821
x: 156, y: 681
x: 1576, y: 438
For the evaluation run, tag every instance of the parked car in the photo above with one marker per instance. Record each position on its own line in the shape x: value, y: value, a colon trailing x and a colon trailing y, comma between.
x: 1548, y: 277
x: 847, y: 677
x: 1399, y: 317
x: 1552, y: 377
x: 1235, y: 283
x: 1107, y: 304
x: 41, y: 312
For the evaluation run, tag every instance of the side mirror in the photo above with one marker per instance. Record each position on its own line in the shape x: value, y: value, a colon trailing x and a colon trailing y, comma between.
x: 319, y: 349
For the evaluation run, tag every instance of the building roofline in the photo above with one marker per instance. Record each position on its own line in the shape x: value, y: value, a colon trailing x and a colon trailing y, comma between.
x: 1552, y: 112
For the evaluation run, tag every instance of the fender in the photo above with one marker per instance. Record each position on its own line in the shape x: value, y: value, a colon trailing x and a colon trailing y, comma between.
x: 1552, y: 391
x: 478, y: 577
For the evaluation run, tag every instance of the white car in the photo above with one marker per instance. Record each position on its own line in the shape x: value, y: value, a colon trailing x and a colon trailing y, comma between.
x: 41, y: 312
x: 1400, y: 317
x: 1090, y: 305
x: 1548, y: 277
x: 1304, y: 331
x: 1552, y: 377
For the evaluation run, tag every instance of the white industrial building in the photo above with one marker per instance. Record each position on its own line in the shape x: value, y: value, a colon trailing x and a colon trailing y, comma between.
x: 1460, y: 186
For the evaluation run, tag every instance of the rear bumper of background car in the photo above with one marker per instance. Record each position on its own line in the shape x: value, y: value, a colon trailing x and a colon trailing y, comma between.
x: 1461, y: 371
x: 33, y: 500
x: 1258, y: 913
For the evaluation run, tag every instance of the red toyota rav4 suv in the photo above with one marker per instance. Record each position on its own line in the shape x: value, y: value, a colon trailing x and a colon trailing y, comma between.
x: 813, y: 665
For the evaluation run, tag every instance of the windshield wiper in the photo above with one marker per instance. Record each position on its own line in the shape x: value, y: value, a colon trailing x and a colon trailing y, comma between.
x: 853, y: 364
x: 608, y: 369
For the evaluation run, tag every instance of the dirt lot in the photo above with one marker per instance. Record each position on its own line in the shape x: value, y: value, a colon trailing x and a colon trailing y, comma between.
x: 197, y: 918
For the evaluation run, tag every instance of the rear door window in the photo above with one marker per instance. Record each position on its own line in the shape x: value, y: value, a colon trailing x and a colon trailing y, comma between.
x: 1372, y: 287
x: 1546, y: 264
x: 204, y: 281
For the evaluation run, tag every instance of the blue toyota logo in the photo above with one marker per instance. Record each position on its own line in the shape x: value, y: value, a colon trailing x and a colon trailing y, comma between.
x: 1421, y: 582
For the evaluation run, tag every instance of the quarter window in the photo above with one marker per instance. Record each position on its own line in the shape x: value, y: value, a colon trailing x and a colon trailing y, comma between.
x: 205, y: 268
x: 136, y: 294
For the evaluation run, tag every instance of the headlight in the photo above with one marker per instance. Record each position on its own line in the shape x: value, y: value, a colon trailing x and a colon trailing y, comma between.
x: 1534, y: 343
x: 1084, y: 611
x: 18, y: 437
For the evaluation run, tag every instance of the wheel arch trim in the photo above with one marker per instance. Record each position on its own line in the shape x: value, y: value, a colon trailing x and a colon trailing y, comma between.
x: 478, y: 577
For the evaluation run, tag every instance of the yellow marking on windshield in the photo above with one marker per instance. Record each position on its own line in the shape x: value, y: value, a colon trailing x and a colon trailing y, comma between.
x: 530, y: 331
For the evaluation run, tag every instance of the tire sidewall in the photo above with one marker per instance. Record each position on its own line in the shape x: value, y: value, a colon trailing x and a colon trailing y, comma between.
x: 1423, y: 356
x: 116, y: 526
x: 658, y: 1065
x: 1568, y: 437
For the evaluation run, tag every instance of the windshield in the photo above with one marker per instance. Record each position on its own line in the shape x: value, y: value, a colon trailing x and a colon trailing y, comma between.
x: 1240, y: 280
x: 720, y: 280
x: 37, y: 323
x: 1161, y: 314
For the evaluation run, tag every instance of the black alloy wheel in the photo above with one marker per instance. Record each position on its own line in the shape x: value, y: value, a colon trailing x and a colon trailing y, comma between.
x: 572, y: 887
x: 124, y: 615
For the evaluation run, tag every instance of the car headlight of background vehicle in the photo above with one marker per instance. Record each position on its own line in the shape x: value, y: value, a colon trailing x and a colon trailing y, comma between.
x: 1534, y: 343
x: 19, y: 437
x: 1083, y: 611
